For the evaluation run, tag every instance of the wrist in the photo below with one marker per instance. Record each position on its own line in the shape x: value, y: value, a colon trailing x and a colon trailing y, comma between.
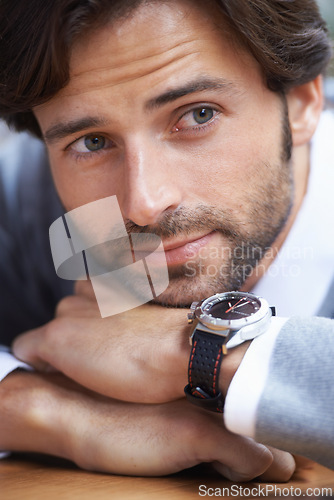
x: 221, y: 323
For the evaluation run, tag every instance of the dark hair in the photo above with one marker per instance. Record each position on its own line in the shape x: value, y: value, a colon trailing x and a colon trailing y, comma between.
x: 288, y: 38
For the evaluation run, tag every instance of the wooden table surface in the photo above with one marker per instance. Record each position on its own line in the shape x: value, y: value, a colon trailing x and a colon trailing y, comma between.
x: 34, y: 478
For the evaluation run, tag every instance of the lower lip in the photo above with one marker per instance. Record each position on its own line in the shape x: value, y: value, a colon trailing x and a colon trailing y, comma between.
x: 187, y: 252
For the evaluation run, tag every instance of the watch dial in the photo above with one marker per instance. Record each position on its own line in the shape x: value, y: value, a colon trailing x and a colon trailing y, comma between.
x: 234, y: 308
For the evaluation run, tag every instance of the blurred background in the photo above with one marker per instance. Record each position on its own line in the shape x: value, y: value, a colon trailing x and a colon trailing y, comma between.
x: 327, y: 10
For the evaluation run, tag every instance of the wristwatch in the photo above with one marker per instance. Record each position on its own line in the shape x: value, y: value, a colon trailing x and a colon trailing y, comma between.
x: 220, y: 322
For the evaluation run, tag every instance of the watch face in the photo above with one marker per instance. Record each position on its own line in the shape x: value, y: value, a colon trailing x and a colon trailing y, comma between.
x: 234, y: 308
x: 231, y: 310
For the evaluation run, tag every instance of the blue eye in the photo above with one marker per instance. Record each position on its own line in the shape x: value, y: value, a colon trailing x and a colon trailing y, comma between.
x: 94, y: 142
x: 196, y: 119
x: 203, y: 115
x: 91, y: 143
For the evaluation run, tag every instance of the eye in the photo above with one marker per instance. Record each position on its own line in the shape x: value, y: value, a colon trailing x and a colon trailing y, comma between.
x: 90, y: 143
x: 195, y: 118
x: 202, y: 115
x: 94, y: 142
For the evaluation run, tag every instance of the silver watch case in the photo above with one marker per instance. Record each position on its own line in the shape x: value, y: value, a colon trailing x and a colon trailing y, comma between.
x: 238, y: 330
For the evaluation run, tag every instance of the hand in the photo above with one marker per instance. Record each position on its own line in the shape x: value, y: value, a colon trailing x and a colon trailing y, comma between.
x: 92, y: 351
x: 48, y: 413
x: 139, y: 356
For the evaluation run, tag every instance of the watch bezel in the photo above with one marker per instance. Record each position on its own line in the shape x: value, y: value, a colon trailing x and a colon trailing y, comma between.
x: 209, y: 321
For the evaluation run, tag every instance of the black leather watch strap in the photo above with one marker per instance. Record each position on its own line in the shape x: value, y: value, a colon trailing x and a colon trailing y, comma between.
x: 203, y: 371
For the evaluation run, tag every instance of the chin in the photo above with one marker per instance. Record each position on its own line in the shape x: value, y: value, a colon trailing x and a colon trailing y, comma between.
x: 182, y: 292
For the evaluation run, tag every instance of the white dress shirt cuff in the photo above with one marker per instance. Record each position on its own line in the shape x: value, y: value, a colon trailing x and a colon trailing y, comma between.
x: 8, y: 363
x: 247, y: 385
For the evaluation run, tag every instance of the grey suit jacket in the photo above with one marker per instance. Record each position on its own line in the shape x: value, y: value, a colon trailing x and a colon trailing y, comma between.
x: 296, y: 409
x: 29, y: 286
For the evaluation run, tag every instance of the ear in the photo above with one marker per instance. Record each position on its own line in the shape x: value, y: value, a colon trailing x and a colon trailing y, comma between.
x: 305, y: 104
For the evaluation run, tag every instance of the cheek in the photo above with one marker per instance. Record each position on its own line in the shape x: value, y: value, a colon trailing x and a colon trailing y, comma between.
x: 232, y: 165
x: 75, y: 187
x: 238, y: 166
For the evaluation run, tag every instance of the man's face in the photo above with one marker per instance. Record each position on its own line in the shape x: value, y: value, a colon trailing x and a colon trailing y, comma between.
x: 165, y: 111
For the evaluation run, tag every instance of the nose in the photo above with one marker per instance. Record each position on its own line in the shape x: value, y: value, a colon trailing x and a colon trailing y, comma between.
x: 150, y: 183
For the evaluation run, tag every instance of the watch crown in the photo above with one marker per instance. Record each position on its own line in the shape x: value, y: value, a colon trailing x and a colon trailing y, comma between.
x: 191, y: 318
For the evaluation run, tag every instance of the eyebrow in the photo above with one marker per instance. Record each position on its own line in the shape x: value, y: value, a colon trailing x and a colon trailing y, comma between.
x: 62, y: 130
x: 200, y: 85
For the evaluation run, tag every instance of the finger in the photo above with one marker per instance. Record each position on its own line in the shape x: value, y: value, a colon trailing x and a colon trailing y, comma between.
x: 176, y: 436
x: 281, y: 469
x: 242, y: 458
x: 91, y: 350
x: 49, y: 345
x: 26, y: 348
x: 77, y: 306
x: 236, y: 457
x: 73, y: 346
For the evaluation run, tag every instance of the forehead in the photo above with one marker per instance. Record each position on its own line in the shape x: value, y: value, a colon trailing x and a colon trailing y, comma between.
x: 156, y: 24
x: 156, y: 38
x: 161, y: 46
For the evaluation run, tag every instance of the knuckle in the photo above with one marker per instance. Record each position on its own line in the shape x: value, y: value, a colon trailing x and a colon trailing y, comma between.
x: 53, y: 331
x: 63, y: 306
x: 71, y: 306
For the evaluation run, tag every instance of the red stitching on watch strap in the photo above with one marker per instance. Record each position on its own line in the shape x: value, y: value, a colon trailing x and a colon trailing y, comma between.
x: 198, y: 394
x: 215, y: 371
x: 191, y: 363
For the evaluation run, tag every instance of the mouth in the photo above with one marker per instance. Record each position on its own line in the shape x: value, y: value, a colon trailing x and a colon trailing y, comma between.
x: 180, y: 252
x: 175, y: 253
